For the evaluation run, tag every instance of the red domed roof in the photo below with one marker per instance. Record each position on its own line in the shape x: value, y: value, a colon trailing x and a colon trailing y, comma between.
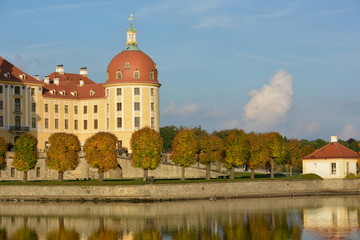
x: 132, y: 66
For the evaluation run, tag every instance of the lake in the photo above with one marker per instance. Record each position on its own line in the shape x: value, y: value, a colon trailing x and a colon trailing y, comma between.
x: 253, y: 218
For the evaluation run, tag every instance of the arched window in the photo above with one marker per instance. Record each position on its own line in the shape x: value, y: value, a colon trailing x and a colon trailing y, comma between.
x: 118, y: 75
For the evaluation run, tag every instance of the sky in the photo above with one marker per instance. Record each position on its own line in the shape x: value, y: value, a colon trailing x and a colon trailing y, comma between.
x: 291, y: 66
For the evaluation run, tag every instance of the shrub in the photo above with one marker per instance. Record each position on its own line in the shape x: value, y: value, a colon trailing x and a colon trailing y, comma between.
x: 351, y: 176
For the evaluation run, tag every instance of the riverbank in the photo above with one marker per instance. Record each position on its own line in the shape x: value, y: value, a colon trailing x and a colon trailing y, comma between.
x: 168, y: 192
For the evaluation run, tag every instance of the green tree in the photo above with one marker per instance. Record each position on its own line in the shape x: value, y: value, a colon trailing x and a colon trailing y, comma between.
x: 211, y: 150
x: 26, y: 154
x: 146, y: 145
x: 3, y: 149
x: 277, y: 149
x: 295, y: 155
x: 63, y: 153
x: 236, y: 150
x: 168, y: 134
x: 258, y: 153
x: 100, y: 152
x: 222, y: 133
x: 306, y: 150
x: 184, y: 149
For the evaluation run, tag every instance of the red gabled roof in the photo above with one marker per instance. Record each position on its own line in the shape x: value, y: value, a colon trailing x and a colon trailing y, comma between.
x: 333, y: 150
x: 14, y: 73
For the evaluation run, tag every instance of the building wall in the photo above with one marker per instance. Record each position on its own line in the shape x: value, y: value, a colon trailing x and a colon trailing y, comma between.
x: 323, y: 167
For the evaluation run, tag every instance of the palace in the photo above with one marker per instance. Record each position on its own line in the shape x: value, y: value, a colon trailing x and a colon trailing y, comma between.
x: 73, y: 103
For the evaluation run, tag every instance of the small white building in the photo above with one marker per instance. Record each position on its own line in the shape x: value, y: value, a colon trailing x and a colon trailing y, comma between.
x: 331, y: 161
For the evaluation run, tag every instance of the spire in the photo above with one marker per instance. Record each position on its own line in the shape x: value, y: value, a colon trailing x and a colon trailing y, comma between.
x: 131, y: 43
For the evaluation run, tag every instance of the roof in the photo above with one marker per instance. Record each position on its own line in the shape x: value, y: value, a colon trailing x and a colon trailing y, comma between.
x: 333, y: 150
x: 12, y: 74
x: 69, y: 87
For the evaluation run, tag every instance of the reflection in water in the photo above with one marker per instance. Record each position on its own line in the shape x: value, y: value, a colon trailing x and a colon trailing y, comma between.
x: 276, y: 218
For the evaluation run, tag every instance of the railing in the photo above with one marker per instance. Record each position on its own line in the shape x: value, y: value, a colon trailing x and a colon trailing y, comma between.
x: 19, y: 128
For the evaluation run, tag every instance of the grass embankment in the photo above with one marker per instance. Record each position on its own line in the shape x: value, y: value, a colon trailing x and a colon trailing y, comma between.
x: 241, y: 176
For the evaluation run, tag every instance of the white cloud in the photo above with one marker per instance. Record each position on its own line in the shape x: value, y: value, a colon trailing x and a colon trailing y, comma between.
x: 187, y: 109
x: 348, y: 131
x: 269, y: 106
x: 303, y: 129
x: 218, y: 21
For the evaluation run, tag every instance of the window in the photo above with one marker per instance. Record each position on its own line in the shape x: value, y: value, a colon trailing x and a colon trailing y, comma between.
x: 127, y: 65
x: 118, y: 91
x: 1, y: 105
x: 12, y: 172
x: 33, y: 107
x: 56, y: 123
x: 32, y: 90
x: 119, y: 106
x: 119, y: 122
x: 85, y: 124
x: 136, y: 74
x: 118, y: 75
x: 136, y: 106
x: 56, y: 108
x: 152, y: 106
x: 1, y: 121
x: 1, y: 89
x: 76, y: 124
x: 137, y: 122
x: 17, y: 91
x: 85, y: 109
x: 66, y: 124
x: 17, y: 104
x: 107, y: 107
x: 95, y: 108
x: 136, y: 91
x: 66, y: 109
x: 107, y: 76
x: 46, y: 107
x: 152, y: 75
x: 37, y: 172
x: 95, y: 124
x: 333, y: 168
x: 46, y: 123
x: 151, y: 91
x: 76, y: 109
x: 33, y: 122
x: 152, y: 122
x: 17, y: 121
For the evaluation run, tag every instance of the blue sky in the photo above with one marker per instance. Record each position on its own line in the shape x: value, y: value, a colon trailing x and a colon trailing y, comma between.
x: 280, y: 65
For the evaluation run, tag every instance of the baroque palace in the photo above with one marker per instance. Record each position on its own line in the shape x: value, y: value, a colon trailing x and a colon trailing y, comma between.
x: 73, y: 103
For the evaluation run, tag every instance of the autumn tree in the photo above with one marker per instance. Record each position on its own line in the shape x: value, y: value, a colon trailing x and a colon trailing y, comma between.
x: 258, y: 152
x: 295, y: 155
x: 25, y: 233
x: 236, y: 150
x: 62, y: 154
x: 3, y: 149
x: 26, y: 154
x: 100, y: 152
x: 63, y: 233
x: 277, y: 150
x: 146, y: 145
x: 306, y: 150
x: 184, y: 149
x: 211, y: 150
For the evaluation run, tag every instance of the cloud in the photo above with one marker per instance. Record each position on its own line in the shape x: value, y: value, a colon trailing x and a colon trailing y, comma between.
x: 45, y: 44
x: 218, y: 21
x: 269, y: 106
x: 187, y: 109
x: 282, y: 13
x: 348, y: 131
x: 304, y: 129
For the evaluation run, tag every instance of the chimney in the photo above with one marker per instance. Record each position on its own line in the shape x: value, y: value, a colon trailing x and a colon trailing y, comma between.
x: 81, y: 82
x: 60, y: 69
x: 37, y: 77
x: 334, y: 139
x: 84, y: 71
x: 56, y: 81
x: 46, y: 80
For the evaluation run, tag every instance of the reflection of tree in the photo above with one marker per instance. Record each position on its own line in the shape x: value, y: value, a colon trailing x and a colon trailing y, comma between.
x: 206, y: 234
x: 63, y: 233
x: 25, y: 233
x: 3, y: 234
x: 103, y: 233
x: 147, y: 235
x: 185, y: 234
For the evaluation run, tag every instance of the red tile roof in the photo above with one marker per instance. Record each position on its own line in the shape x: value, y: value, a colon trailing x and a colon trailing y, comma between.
x: 333, y: 150
x: 15, y: 74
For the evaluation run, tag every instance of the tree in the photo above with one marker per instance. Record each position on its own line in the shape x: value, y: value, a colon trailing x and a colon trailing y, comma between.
x: 25, y: 233
x: 26, y: 154
x: 62, y: 154
x: 222, y: 133
x: 168, y: 134
x: 100, y: 152
x: 236, y: 150
x: 306, y: 150
x: 277, y: 150
x: 295, y: 155
x: 258, y: 153
x: 211, y: 150
x: 184, y: 149
x: 146, y: 145
x: 3, y: 149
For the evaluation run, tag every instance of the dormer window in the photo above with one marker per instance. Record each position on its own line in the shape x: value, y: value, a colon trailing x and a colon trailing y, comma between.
x: 118, y: 75
x: 22, y: 76
x: 107, y: 76
x: 74, y: 93
x: 53, y: 92
x: 136, y: 74
x: 7, y: 75
x: 63, y: 93
x: 152, y: 75
x: 92, y: 92
x: 127, y: 65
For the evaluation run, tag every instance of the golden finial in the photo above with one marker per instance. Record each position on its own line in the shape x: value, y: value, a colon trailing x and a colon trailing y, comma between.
x: 131, y: 18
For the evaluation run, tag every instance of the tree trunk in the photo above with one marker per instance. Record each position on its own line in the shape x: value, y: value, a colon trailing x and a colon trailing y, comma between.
x: 291, y: 167
x: 252, y: 173
x: 232, y: 173
x: 208, y: 168
x: 101, y: 176
x: 60, y: 176
x: 182, y: 173
x: 272, y: 168
x: 146, y: 174
x: 25, y: 176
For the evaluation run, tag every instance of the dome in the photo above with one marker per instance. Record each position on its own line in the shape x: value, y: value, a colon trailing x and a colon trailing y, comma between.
x: 131, y: 66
